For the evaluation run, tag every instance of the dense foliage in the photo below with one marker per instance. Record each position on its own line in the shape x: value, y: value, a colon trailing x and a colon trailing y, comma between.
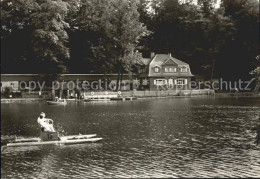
x: 33, y: 32
x: 104, y: 36
x: 256, y: 75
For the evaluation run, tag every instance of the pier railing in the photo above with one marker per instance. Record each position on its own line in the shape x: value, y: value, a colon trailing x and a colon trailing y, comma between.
x: 135, y: 93
x: 113, y: 94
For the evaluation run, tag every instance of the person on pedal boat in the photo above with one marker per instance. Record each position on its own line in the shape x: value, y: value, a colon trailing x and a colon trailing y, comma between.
x: 45, y: 123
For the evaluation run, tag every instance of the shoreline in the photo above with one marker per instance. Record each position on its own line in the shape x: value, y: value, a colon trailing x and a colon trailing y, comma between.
x: 217, y: 95
x: 13, y: 100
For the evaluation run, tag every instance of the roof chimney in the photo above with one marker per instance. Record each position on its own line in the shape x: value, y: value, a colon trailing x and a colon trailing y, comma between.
x: 170, y: 54
x: 152, y: 55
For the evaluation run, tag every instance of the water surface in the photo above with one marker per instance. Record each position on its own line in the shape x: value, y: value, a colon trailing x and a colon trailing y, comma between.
x: 175, y: 137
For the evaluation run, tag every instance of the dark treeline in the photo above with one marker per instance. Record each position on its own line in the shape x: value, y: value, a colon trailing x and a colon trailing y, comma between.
x: 107, y: 36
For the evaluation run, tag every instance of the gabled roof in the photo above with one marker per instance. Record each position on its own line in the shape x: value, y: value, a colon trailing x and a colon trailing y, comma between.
x: 163, y: 59
x: 169, y: 62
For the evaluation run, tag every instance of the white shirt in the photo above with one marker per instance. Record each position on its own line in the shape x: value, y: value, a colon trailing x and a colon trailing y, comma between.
x: 44, y: 122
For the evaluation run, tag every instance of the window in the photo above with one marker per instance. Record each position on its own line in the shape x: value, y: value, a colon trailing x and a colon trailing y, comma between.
x: 160, y: 82
x: 156, y: 70
x: 184, y: 69
x: 173, y: 69
x: 170, y: 69
x: 181, y: 81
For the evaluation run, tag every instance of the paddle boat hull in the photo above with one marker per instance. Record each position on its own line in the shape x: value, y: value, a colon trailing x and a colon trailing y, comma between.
x: 63, y: 140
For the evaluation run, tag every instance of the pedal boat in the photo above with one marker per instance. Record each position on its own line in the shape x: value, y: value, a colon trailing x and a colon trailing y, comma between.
x: 52, y: 138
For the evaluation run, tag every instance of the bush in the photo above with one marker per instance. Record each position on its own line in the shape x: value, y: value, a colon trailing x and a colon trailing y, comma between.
x: 7, y: 92
x: 16, y: 94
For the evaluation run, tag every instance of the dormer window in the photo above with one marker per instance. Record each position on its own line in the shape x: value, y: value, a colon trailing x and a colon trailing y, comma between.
x: 156, y: 70
x: 184, y: 69
x: 170, y: 69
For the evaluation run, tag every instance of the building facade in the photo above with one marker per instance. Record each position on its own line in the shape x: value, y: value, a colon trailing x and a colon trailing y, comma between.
x: 164, y: 72
x: 66, y: 85
x: 160, y: 72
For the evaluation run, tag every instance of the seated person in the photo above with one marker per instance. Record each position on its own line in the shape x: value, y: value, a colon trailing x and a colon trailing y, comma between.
x: 45, y: 123
x: 56, y: 98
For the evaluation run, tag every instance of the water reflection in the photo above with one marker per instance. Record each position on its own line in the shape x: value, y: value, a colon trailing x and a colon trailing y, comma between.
x: 177, y: 137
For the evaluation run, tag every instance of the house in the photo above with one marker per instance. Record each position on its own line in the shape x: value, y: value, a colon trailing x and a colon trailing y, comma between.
x: 164, y: 72
x: 160, y: 72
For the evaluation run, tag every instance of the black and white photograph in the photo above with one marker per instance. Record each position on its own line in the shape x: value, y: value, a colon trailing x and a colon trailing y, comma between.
x: 130, y: 89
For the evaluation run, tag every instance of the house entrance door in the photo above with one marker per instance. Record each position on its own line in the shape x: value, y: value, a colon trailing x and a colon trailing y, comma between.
x: 170, y: 83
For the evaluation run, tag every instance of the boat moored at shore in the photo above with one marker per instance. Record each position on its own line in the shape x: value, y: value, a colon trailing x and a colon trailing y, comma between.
x: 59, y: 102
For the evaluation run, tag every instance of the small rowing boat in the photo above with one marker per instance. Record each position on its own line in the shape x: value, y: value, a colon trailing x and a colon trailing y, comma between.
x: 60, y: 102
x: 87, y: 100
x: 52, y: 138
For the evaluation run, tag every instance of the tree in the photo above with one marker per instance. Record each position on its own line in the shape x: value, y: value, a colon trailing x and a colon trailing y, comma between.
x: 117, y: 28
x: 49, y: 34
x: 207, y: 6
x: 38, y: 36
x: 219, y: 31
x: 256, y: 74
x: 212, y: 40
x: 34, y: 33
x: 15, y: 15
x: 245, y: 44
x: 15, y: 33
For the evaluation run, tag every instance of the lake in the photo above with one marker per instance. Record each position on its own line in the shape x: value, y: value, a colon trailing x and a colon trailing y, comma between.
x: 174, y: 137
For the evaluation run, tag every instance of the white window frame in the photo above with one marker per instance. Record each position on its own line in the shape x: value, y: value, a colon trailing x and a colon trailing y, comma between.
x: 181, y: 81
x: 160, y: 82
x: 170, y: 70
x: 156, y: 69
x: 184, y: 69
